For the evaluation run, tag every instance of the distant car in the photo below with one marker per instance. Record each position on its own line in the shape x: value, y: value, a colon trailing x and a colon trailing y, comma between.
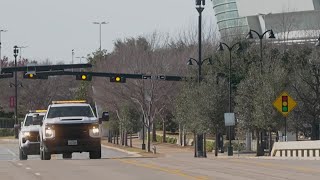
x: 29, y: 140
x: 71, y: 126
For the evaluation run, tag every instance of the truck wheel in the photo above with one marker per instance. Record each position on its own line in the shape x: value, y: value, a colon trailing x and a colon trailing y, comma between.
x: 95, y: 154
x: 22, y: 155
x: 67, y: 155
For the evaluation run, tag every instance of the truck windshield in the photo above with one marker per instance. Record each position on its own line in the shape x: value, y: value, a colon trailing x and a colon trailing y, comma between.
x: 29, y: 120
x: 68, y: 111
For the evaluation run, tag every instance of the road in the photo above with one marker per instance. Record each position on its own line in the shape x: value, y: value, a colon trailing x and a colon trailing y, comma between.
x: 120, y: 165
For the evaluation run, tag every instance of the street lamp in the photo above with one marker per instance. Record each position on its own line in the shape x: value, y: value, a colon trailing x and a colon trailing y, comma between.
x: 318, y: 42
x: 271, y: 36
x: 1, y: 31
x: 100, y: 23
x: 199, y: 145
x: 15, y: 54
x: 230, y: 148
x: 80, y: 58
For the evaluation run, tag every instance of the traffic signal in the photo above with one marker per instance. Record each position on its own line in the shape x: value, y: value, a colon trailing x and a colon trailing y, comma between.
x: 84, y: 77
x: 33, y: 76
x: 118, y: 79
x: 285, y: 104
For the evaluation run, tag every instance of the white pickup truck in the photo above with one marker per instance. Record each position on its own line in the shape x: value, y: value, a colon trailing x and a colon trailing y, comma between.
x: 29, y: 140
x: 71, y: 126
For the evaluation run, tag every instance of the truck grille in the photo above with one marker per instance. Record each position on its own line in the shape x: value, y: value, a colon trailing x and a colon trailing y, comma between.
x: 71, y: 131
x: 34, y: 137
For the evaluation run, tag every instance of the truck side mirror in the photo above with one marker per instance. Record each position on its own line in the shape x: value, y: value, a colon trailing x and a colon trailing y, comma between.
x: 104, y: 117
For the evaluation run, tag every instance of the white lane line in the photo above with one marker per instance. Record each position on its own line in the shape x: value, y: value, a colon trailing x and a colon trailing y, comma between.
x: 11, y: 152
x: 38, y: 174
x: 20, y: 164
x: 27, y: 168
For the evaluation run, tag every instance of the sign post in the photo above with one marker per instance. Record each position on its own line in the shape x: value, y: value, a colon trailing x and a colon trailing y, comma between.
x: 284, y: 104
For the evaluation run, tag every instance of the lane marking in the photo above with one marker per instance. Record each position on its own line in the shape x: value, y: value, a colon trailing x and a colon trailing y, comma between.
x: 11, y: 152
x: 20, y: 164
x: 38, y: 174
x: 28, y: 168
x: 167, y: 170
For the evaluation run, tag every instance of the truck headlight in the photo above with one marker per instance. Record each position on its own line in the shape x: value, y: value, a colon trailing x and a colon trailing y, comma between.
x: 49, y: 132
x: 25, y: 134
x: 94, y: 131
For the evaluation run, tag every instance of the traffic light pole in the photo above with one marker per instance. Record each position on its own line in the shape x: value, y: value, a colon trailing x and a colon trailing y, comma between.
x: 285, y: 129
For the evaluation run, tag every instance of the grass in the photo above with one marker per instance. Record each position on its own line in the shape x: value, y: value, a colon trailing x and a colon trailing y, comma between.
x: 7, y: 137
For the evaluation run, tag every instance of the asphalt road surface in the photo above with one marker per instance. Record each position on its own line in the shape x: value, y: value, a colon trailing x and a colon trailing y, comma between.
x: 119, y: 165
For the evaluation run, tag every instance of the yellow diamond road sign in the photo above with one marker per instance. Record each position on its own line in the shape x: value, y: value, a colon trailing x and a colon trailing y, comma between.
x: 284, y: 104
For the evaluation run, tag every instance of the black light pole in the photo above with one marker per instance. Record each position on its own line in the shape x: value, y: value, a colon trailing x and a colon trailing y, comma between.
x: 230, y: 148
x: 271, y: 36
x: 15, y: 54
x: 250, y: 36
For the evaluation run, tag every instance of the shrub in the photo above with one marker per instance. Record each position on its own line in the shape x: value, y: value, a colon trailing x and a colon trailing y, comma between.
x: 210, y: 146
x: 6, y: 132
x: 159, y: 138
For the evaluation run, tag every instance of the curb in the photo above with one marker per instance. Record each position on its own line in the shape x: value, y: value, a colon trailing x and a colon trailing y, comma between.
x: 134, y: 154
x: 10, y: 140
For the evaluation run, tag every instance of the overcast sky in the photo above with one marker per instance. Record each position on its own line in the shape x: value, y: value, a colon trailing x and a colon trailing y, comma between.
x: 52, y: 28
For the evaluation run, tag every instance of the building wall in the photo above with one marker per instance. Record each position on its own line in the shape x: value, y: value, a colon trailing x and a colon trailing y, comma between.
x: 228, y: 19
x: 237, y: 17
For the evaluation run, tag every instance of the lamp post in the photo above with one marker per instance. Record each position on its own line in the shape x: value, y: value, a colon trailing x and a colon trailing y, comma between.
x: 1, y: 31
x: 80, y: 58
x: 199, y: 149
x: 15, y: 54
x: 100, y: 23
x: 230, y: 48
x: 271, y: 36
x: 250, y: 36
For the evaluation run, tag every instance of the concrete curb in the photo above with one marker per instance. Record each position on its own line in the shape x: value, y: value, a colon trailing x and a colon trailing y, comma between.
x: 134, y: 154
x: 10, y: 140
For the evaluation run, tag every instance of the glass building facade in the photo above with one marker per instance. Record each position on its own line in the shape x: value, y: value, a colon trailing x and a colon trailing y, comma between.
x: 229, y: 22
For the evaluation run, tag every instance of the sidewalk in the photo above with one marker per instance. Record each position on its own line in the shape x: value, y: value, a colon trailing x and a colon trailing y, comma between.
x: 170, y: 150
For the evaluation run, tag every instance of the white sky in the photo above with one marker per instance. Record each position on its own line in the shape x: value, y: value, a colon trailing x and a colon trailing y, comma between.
x: 52, y: 28
x: 253, y: 7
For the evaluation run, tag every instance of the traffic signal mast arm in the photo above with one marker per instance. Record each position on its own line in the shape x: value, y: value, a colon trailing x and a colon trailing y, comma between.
x: 45, y: 68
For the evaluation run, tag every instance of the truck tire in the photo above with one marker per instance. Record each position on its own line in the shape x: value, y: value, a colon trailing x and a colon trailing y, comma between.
x: 95, y: 154
x: 67, y: 155
x: 22, y: 155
